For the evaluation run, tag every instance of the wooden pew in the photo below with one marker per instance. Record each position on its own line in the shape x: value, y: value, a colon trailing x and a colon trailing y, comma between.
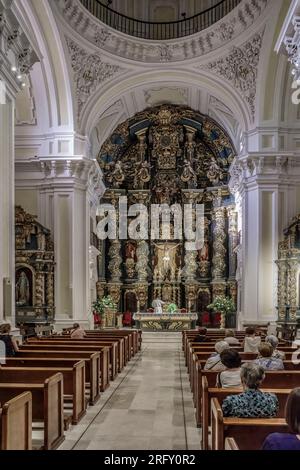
x: 92, y: 376
x: 77, y: 355
x: 73, y: 382
x: 273, y: 379
x: 16, y: 423
x: 47, y: 405
x: 79, y: 346
x: 230, y: 444
x: 119, y: 343
x: 220, y: 393
x: 249, y: 433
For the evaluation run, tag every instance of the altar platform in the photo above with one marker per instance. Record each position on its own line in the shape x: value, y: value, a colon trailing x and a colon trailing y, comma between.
x: 176, y: 321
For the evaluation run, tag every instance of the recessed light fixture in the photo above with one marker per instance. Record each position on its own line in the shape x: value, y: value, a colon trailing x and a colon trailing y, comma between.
x: 14, y: 69
x: 23, y: 85
x: 19, y: 77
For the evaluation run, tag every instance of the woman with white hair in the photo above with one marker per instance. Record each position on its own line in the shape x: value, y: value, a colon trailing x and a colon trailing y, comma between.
x: 214, y: 361
x: 252, y: 403
x: 273, y: 341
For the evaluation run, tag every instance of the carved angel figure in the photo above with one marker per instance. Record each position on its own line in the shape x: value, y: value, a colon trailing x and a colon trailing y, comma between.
x: 142, y: 174
x: 188, y: 173
x: 117, y: 176
x: 214, y: 173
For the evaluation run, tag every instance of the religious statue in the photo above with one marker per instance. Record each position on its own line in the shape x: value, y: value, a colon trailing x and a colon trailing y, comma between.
x: 142, y: 174
x: 116, y: 177
x: 130, y: 250
x: 41, y: 239
x: 214, y: 173
x: 188, y: 173
x: 204, y: 252
x: 157, y: 305
x: 22, y: 290
x: 167, y: 292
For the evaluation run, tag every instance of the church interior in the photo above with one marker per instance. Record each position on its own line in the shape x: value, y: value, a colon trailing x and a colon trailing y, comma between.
x: 150, y: 225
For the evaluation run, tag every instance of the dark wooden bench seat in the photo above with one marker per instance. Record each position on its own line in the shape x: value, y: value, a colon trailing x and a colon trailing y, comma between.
x: 47, y: 405
x: 92, y: 376
x: 249, y: 433
x: 73, y: 382
x: 77, y: 355
x: 79, y: 346
x: 16, y: 423
x: 220, y: 393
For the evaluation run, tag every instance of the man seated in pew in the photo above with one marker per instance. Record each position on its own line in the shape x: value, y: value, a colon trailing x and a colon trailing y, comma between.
x: 231, y: 376
x: 201, y: 337
x: 77, y: 332
x: 214, y: 361
x: 230, y: 338
x: 290, y: 440
x: 273, y: 341
x: 266, y: 358
x: 11, y: 346
x: 251, y: 342
x: 252, y: 403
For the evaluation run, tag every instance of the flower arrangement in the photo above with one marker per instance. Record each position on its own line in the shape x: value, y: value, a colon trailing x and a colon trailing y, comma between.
x: 224, y: 305
x: 101, y: 304
x: 172, y: 308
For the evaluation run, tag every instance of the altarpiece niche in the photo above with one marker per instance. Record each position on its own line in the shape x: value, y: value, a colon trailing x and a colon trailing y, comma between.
x: 34, y: 287
x: 170, y: 155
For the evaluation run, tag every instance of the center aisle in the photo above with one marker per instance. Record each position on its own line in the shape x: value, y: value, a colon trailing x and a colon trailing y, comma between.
x: 149, y: 406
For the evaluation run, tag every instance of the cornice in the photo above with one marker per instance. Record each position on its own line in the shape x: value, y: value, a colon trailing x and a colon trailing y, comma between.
x: 75, y: 19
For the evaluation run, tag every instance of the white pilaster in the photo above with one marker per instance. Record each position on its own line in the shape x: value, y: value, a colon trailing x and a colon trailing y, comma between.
x: 265, y: 186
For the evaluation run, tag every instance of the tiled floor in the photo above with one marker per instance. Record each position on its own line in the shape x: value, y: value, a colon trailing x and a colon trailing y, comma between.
x: 148, y: 407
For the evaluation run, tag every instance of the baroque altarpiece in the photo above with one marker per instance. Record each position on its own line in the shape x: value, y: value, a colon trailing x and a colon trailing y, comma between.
x: 289, y: 273
x: 34, y: 270
x: 175, y: 156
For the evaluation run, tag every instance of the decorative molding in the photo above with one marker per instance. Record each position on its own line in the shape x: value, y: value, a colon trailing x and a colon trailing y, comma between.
x: 141, y: 50
x: 16, y: 53
x: 262, y: 168
x: 240, y: 68
x: 89, y: 71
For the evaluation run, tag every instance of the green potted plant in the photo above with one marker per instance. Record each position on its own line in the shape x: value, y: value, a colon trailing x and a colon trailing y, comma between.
x: 99, y: 307
x: 224, y: 306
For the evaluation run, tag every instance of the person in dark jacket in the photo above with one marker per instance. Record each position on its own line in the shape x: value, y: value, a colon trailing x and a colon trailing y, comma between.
x: 11, y: 346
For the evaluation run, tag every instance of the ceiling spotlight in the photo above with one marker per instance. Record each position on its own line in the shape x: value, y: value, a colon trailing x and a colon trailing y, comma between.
x: 19, y: 77
x: 23, y: 85
x: 14, y: 69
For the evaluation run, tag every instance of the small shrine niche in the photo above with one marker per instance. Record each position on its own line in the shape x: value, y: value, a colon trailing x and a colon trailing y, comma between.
x: 34, y: 288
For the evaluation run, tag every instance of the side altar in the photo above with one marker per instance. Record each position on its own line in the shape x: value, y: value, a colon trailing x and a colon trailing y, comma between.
x: 175, y: 321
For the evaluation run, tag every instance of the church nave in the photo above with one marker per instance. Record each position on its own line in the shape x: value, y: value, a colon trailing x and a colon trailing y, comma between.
x: 149, y: 405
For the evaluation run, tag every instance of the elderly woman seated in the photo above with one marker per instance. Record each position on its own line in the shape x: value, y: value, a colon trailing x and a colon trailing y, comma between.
x: 231, y: 376
x: 266, y: 358
x: 252, y: 403
x: 214, y: 361
x: 273, y: 341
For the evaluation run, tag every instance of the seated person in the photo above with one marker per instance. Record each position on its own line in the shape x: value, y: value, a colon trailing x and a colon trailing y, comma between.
x: 11, y: 345
x: 251, y: 341
x: 214, y: 361
x: 273, y: 341
x: 290, y: 440
x: 252, y: 403
x: 201, y: 337
x: 77, y: 332
x: 266, y: 358
x: 231, y: 376
x: 230, y: 338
